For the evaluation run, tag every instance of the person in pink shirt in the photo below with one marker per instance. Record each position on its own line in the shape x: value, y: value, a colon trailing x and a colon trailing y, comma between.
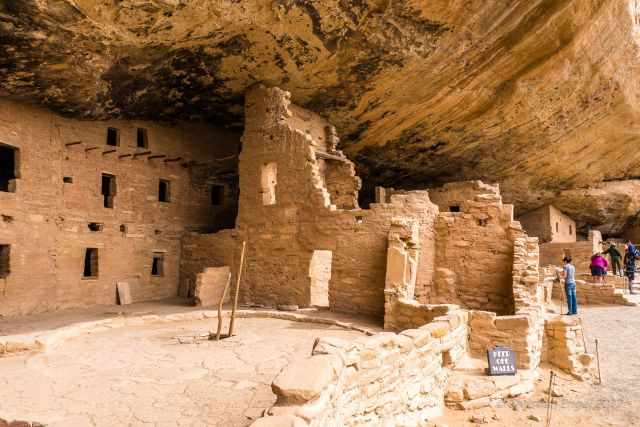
x: 599, y: 266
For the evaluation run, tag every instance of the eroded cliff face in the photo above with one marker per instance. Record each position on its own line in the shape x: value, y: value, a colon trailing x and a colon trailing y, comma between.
x: 540, y: 96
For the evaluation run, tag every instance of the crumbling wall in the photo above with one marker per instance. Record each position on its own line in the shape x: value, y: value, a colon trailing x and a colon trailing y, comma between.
x: 388, y: 378
x: 303, y: 212
x: 58, y: 195
x: 564, y: 347
x: 459, y: 194
x: 474, y: 253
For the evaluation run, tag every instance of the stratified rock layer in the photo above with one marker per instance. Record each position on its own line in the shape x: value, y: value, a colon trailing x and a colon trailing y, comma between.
x: 539, y: 95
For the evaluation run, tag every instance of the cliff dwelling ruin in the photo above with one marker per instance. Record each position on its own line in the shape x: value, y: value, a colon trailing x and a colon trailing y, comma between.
x: 318, y: 214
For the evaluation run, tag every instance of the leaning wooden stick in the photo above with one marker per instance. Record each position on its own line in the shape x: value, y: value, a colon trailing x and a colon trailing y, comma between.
x: 598, y: 360
x: 224, y: 294
x: 235, y: 299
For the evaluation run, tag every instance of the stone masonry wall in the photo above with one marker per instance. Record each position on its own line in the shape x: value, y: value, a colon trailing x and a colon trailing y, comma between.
x: 58, y: 193
x: 474, y: 255
x: 549, y: 225
x: 290, y: 204
x: 580, y: 251
x: 385, y: 379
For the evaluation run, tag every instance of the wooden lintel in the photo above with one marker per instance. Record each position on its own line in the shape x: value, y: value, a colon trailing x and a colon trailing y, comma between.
x: 157, y: 156
x: 122, y: 156
x: 108, y: 151
x: 142, y: 153
x: 327, y: 156
x: 175, y: 159
x: 91, y: 148
x: 69, y: 144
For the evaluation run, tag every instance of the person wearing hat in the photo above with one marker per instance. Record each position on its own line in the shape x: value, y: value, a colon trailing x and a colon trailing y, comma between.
x: 615, y: 256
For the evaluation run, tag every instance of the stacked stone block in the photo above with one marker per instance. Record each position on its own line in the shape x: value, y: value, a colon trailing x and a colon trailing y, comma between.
x: 387, y: 378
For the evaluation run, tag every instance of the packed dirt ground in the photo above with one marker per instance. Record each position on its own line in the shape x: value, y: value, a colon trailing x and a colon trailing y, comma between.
x: 142, y: 376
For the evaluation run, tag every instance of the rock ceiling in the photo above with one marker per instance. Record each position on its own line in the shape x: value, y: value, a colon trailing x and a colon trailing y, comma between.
x: 542, y: 96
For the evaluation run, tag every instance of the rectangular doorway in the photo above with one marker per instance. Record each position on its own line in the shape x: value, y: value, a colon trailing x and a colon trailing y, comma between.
x: 320, y: 275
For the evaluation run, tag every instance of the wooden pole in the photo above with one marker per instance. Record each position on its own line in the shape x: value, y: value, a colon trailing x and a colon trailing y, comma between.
x: 598, y: 360
x: 235, y: 299
x: 224, y: 294
x: 549, y: 402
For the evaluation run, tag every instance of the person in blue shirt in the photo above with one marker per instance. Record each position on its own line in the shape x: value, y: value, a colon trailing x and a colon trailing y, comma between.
x: 569, y: 274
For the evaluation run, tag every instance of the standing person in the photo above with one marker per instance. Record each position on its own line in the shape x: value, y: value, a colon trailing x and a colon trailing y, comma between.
x: 598, y: 266
x: 615, y: 256
x: 630, y: 264
x: 569, y: 274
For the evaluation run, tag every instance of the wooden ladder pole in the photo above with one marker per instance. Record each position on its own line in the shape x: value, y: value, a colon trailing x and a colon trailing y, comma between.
x: 224, y: 294
x: 235, y: 299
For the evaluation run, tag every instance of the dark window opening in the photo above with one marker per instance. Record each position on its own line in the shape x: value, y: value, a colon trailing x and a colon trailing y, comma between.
x: 8, y: 168
x: 454, y: 208
x: 164, y: 191
x: 482, y: 222
x: 157, y: 232
x: 217, y: 195
x: 90, y: 263
x: 113, y: 137
x: 67, y: 180
x: 95, y: 226
x: 157, y: 267
x: 142, y: 140
x: 7, y: 218
x: 557, y: 227
x: 108, y: 189
x: 570, y: 229
x: 123, y: 228
x: 5, y: 269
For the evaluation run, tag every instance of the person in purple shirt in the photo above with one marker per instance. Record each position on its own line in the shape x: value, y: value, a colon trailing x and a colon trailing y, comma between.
x: 599, y: 266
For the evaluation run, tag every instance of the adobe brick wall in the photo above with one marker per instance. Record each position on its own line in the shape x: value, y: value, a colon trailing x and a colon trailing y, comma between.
x: 46, y: 220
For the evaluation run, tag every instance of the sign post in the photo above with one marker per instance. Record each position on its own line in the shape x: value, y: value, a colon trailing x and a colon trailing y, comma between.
x: 502, y: 361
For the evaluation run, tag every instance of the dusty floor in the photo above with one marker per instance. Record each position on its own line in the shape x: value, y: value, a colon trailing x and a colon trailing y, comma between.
x: 616, y: 402
x: 142, y: 376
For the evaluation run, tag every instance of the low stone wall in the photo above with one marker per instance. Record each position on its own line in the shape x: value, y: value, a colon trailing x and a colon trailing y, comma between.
x: 564, y: 347
x: 593, y: 294
x: 397, y: 379
x: 45, y: 340
x: 517, y: 332
x: 403, y: 313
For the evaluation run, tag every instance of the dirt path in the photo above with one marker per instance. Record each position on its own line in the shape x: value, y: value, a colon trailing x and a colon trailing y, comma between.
x: 614, y: 403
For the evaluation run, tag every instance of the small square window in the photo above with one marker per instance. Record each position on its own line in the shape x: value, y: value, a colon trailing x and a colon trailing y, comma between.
x: 67, y: 180
x: 113, y: 137
x: 142, y: 139
x: 164, y: 191
x: 8, y: 168
x: 90, y: 263
x: 95, y: 226
x: 157, y: 266
x: 454, y: 208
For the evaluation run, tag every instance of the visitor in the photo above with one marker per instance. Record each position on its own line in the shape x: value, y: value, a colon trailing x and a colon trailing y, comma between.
x: 598, y: 267
x: 569, y: 274
x: 615, y: 256
x: 630, y: 254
